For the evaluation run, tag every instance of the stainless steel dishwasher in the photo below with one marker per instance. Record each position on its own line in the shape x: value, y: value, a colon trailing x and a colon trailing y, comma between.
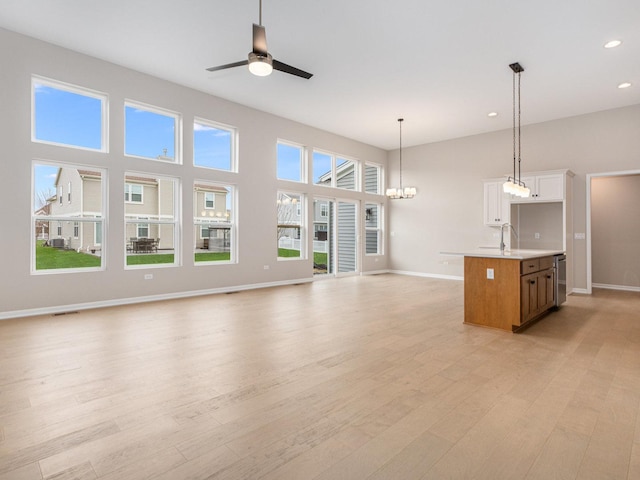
x: 560, y: 284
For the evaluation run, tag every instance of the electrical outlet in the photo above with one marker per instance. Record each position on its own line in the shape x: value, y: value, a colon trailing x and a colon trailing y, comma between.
x: 579, y: 236
x: 536, y: 236
x: 148, y: 276
x: 266, y: 267
x: 489, y: 273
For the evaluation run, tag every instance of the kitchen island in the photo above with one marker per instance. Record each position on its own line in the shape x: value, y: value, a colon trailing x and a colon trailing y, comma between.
x: 507, y: 289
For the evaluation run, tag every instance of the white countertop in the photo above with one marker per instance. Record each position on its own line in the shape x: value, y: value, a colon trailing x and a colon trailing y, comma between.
x: 515, y: 254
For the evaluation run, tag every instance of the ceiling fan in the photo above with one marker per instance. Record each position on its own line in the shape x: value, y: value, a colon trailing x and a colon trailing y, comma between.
x: 260, y: 61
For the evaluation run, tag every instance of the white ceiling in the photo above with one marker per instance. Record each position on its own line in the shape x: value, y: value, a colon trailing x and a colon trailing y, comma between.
x: 442, y: 65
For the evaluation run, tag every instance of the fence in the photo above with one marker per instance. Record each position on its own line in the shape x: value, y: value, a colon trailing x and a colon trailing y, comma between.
x: 294, y: 244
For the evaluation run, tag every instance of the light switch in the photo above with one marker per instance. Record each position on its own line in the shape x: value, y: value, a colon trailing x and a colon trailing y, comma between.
x: 490, y: 273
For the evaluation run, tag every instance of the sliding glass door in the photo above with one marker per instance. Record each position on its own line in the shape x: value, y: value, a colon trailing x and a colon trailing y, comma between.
x: 335, y: 237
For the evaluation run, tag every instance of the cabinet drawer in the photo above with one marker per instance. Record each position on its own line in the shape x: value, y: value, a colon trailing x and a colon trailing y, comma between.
x: 529, y: 266
x: 546, y: 262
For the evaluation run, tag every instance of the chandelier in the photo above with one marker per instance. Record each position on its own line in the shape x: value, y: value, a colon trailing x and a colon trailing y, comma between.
x: 401, y: 192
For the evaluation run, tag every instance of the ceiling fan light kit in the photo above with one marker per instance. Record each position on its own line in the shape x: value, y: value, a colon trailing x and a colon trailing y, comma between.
x: 260, y: 65
x: 260, y: 61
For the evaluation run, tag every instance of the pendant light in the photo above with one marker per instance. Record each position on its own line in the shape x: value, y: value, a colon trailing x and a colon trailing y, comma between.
x: 514, y: 185
x: 406, y: 192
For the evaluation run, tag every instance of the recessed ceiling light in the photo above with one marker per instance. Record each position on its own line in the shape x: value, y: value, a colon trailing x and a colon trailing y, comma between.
x: 492, y: 114
x: 624, y: 85
x: 613, y: 44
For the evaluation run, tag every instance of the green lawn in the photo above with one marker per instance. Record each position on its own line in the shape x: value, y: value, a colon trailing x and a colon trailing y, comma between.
x: 150, y: 259
x: 288, y: 253
x: 319, y: 258
x: 213, y: 256
x: 49, y: 258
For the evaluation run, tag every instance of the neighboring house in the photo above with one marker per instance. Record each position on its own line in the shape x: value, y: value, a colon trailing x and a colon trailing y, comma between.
x: 78, y: 194
x: 213, y: 228
x: 289, y: 217
x: 149, y: 198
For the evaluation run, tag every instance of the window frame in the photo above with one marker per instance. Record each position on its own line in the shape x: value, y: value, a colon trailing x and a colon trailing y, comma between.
x: 334, y: 157
x: 78, y: 90
x: 233, y: 161
x: 301, y: 226
x: 303, y: 160
x: 140, y: 220
x: 380, y: 179
x: 231, y: 223
x: 177, y: 134
x: 378, y: 228
x: 95, y: 220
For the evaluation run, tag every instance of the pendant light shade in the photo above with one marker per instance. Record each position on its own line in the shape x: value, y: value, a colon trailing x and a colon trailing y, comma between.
x: 514, y: 185
x: 401, y: 192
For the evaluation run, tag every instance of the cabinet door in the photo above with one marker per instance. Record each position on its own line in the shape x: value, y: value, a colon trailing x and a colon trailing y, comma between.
x: 550, y: 187
x: 546, y: 292
x: 496, y: 204
x: 529, y: 296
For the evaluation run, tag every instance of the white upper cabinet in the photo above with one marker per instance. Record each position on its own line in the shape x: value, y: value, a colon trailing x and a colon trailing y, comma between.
x: 496, y: 203
x: 544, y: 188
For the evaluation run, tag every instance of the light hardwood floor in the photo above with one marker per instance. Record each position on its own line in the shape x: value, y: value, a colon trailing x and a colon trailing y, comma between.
x: 352, y: 378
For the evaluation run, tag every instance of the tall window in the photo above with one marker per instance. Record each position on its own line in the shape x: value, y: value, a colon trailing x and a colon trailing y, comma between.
x: 214, y: 223
x: 373, y: 230
x: 291, y: 237
x: 290, y: 162
x: 68, y: 115
x: 64, y: 237
x: 151, y: 132
x: 214, y: 145
x: 335, y: 171
x: 372, y: 178
x: 151, y: 227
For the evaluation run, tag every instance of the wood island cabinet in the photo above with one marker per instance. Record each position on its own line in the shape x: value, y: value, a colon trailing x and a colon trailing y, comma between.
x: 536, y: 293
x: 507, y: 293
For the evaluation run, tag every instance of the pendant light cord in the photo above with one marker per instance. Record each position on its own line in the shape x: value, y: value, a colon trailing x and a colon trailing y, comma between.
x: 400, y: 120
x: 260, y: 22
x: 514, y: 126
x: 519, y: 143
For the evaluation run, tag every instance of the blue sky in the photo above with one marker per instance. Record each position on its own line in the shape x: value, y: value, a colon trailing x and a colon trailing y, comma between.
x: 69, y: 118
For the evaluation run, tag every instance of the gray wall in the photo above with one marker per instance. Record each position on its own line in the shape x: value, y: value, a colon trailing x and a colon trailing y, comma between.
x: 615, y: 230
x: 447, y: 213
x: 21, y: 57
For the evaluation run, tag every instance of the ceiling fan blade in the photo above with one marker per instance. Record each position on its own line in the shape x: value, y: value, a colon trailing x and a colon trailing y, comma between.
x: 259, y: 39
x: 228, y: 65
x: 283, y: 67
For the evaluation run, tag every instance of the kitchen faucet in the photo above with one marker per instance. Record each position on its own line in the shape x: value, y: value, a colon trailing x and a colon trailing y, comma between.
x: 502, y: 234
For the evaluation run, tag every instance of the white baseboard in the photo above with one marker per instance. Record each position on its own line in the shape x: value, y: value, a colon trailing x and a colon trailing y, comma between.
x: 616, y: 287
x: 579, y: 290
x: 427, y: 275
x: 149, y: 298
